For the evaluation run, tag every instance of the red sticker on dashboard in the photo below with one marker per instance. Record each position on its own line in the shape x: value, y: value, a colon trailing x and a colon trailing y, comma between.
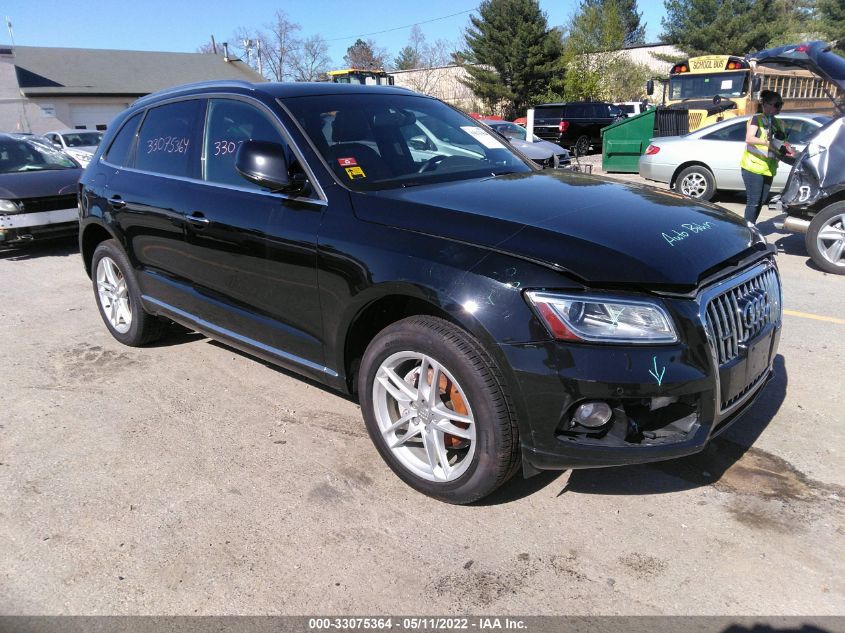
x: 347, y: 162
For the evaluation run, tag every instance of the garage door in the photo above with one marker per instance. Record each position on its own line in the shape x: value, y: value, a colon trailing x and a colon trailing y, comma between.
x: 94, y: 117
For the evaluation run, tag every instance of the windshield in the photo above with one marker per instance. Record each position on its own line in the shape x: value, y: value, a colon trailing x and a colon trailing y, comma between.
x: 728, y: 84
x: 381, y: 141
x: 19, y: 155
x: 82, y: 139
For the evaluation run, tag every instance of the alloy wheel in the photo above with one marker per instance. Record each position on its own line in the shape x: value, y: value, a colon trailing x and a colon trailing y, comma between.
x: 831, y: 240
x: 424, y: 416
x: 693, y: 185
x: 113, y: 295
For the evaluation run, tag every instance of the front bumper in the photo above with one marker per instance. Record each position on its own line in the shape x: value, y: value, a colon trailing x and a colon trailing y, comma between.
x: 20, y: 227
x: 668, y: 401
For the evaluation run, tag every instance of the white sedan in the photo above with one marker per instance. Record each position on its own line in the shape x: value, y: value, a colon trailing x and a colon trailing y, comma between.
x: 702, y: 162
x: 79, y: 144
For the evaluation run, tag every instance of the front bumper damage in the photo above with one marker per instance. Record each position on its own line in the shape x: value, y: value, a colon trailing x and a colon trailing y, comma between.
x: 667, y: 401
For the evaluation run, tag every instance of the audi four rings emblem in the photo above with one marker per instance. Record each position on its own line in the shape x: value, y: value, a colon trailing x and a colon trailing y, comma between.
x: 753, y: 308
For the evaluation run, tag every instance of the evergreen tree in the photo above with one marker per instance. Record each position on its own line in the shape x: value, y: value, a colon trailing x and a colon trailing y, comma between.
x: 412, y: 55
x: 513, y: 52
x: 725, y: 27
x: 634, y: 31
x: 407, y: 59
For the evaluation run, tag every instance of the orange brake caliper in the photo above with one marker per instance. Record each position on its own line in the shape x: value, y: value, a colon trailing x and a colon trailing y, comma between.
x: 447, y: 388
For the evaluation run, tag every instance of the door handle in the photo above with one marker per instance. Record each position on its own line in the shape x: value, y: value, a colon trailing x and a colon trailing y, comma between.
x: 115, y: 202
x: 197, y: 219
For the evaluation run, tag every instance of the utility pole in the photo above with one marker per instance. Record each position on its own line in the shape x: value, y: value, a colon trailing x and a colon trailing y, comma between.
x: 11, y: 32
x: 248, y: 49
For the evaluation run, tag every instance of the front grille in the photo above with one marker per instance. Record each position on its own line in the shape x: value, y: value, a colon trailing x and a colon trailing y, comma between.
x: 51, y: 203
x: 727, y: 314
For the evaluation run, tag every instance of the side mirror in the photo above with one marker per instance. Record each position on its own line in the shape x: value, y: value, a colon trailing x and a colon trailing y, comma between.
x: 418, y: 142
x: 265, y: 165
x: 649, y: 87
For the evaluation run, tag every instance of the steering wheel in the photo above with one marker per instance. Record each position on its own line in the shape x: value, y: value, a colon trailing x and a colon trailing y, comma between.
x: 431, y: 163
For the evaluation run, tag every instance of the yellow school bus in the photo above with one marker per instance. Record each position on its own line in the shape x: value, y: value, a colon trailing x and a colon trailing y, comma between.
x: 371, y: 77
x: 717, y: 87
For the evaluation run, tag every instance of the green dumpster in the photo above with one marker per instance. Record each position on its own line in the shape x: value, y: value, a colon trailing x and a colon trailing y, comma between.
x: 625, y: 141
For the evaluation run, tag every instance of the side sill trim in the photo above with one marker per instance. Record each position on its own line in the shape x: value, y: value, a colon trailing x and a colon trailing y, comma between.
x: 243, y: 339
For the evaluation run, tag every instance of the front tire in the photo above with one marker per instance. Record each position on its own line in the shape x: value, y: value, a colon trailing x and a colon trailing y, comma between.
x: 457, y: 442
x: 825, y: 239
x: 119, y: 298
x: 696, y: 182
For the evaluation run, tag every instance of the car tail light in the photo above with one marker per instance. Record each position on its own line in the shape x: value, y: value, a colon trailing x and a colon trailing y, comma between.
x: 563, y: 126
x: 652, y: 150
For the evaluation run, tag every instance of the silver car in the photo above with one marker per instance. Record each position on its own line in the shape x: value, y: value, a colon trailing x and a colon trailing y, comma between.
x: 705, y: 161
x: 539, y: 151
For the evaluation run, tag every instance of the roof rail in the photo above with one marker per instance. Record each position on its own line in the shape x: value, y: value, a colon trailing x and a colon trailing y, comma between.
x: 221, y: 83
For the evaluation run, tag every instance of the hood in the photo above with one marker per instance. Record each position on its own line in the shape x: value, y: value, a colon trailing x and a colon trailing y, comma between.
x: 598, y: 230
x: 39, y: 184
x: 534, y: 151
x: 813, y: 56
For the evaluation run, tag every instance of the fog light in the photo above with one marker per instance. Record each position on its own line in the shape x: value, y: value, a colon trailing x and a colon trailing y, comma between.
x: 592, y: 415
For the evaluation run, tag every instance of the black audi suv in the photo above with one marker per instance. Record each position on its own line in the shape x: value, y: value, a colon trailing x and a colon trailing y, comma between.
x: 488, y: 315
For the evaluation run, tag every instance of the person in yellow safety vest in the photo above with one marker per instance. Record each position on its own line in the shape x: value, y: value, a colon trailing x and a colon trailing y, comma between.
x: 765, y: 144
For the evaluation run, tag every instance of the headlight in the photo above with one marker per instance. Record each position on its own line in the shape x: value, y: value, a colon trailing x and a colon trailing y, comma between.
x: 603, y: 319
x: 8, y: 206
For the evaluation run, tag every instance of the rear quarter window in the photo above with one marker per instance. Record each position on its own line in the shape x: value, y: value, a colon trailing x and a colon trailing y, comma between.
x: 553, y: 112
x: 734, y: 132
x: 119, y: 151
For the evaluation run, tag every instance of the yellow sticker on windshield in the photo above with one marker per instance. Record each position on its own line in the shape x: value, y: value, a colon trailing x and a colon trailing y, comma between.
x: 355, y: 172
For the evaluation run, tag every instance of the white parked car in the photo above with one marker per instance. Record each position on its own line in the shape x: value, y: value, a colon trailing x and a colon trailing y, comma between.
x: 702, y: 162
x: 79, y: 144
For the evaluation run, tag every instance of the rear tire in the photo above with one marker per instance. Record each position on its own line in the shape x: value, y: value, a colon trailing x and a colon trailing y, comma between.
x: 825, y: 239
x: 696, y: 182
x: 119, y: 298
x: 457, y: 443
x: 582, y: 145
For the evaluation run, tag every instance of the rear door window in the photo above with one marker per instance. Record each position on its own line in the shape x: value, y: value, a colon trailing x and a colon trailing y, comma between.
x: 229, y: 123
x: 167, y: 141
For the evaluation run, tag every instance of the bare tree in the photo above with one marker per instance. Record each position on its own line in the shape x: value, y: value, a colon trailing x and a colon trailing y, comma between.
x: 206, y: 49
x: 365, y: 55
x: 279, y: 46
x: 311, y: 60
x: 430, y: 70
